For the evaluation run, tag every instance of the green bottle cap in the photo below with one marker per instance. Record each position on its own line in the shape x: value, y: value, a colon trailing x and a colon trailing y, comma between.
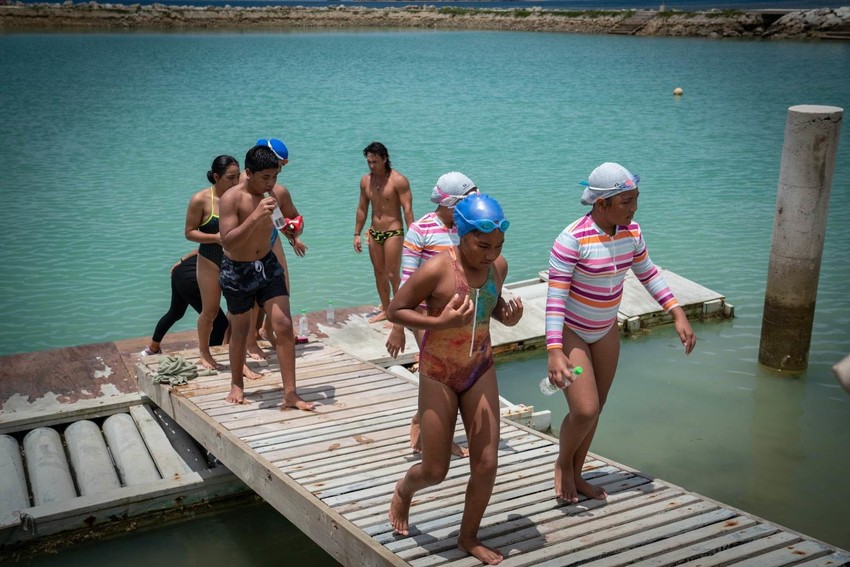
x: 578, y: 370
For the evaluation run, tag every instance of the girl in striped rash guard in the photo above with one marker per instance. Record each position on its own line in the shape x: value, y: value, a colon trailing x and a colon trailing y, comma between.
x: 587, y: 267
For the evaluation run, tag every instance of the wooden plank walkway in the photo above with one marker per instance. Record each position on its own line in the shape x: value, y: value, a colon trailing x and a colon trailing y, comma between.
x: 332, y: 473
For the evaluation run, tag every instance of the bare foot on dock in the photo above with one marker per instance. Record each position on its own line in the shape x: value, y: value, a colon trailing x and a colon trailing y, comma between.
x: 268, y: 336
x: 381, y: 316
x: 294, y: 401
x: 250, y: 374
x: 209, y: 363
x: 399, y: 511
x: 484, y: 554
x: 565, y: 487
x: 255, y: 352
x: 590, y: 490
x: 459, y: 451
x: 236, y: 395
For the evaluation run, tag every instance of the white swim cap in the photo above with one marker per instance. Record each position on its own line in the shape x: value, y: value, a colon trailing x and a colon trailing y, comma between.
x: 606, y: 181
x: 451, y: 188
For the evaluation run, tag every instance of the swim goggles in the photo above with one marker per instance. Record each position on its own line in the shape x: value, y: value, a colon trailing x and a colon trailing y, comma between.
x: 450, y: 201
x: 626, y: 185
x: 486, y: 225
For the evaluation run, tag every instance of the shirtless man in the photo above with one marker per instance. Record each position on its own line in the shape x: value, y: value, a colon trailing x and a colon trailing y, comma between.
x: 251, y: 273
x: 388, y: 191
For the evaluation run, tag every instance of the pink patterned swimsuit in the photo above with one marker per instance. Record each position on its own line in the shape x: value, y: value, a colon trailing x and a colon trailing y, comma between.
x: 459, y: 356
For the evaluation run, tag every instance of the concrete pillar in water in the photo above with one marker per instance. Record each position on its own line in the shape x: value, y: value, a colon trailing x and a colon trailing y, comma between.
x: 802, y: 203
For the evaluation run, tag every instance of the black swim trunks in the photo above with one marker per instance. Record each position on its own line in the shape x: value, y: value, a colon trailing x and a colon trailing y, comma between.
x: 244, y: 283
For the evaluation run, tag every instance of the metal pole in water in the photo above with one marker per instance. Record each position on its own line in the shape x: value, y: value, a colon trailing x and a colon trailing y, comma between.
x: 802, y: 202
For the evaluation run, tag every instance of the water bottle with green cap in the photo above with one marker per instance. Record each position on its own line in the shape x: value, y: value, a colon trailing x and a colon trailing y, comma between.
x: 548, y: 388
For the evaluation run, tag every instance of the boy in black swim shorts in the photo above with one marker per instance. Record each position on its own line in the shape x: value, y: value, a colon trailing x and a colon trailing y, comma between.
x: 246, y: 283
x: 251, y: 273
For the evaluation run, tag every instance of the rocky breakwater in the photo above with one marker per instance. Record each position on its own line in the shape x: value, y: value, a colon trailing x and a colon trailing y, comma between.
x: 94, y: 16
x: 825, y: 23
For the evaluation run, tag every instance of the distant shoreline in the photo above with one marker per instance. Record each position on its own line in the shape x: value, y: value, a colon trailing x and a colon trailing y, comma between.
x: 825, y: 23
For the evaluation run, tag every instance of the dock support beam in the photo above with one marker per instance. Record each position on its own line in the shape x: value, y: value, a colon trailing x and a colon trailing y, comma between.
x: 805, y: 179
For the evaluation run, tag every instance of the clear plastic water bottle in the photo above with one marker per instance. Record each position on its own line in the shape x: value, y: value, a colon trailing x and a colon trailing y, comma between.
x: 548, y: 388
x: 277, y: 217
x: 303, y: 326
x: 330, y: 313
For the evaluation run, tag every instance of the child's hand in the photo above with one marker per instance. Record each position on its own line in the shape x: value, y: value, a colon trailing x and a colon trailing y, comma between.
x: 299, y: 247
x: 396, y: 341
x: 265, y: 207
x: 686, y: 335
x: 510, y: 311
x: 684, y: 330
x: 457, y: 312
x: 560, y: 369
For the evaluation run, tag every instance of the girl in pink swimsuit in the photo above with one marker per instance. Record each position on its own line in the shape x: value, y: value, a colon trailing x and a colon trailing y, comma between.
x: 462, y: 289
x: 459, y: 356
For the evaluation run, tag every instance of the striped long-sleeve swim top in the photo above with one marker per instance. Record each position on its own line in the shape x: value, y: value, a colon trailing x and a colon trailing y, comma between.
x: 425, y: 238
x: 587, y: 268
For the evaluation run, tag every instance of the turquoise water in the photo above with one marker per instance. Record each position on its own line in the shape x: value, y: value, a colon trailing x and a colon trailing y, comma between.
x: 105, y: 137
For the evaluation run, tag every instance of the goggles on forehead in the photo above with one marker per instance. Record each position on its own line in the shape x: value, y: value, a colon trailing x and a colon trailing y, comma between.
x: 626, y: 185
x: 447, y: 200
x: 485, y: 225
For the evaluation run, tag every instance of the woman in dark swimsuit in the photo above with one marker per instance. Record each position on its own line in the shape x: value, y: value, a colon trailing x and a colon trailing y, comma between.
x: 462, y: 289
x: 202, y: 227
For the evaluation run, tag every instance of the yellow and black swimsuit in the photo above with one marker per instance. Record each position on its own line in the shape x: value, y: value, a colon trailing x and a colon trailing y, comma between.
x: 379, y: 236
x: 212, y: 252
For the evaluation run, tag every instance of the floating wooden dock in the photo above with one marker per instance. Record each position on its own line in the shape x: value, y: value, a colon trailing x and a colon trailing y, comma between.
x: 332, y: 472
x: 638, y: 311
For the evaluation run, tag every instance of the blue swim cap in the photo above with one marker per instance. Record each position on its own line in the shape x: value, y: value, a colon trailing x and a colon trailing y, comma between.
x: 479, y: 212
x: 278, y: 147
